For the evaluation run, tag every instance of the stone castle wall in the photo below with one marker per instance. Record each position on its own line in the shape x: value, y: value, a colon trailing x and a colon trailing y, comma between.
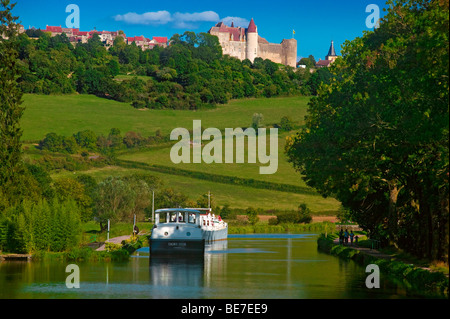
x: 271, y: 51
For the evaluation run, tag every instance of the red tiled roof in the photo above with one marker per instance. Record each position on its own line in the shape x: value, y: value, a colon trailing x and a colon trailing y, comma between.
x: 160, y: 39
x: 234, y: 32
x: 130, y: 39
x: 251, y: 26
x: 53, y: 29
x: 139, y: 38
x: 80, y: 33
x: 323, y: 63
x: 70, y: 30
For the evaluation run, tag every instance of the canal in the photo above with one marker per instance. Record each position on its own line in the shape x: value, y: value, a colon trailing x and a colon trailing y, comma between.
x: 256, y: 266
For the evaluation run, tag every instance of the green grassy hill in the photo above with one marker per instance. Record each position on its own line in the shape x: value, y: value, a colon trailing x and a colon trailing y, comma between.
x: 69, y: 114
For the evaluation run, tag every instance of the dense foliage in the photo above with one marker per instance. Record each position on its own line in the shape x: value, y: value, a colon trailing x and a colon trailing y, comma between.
x: 377, y: 136
x: 87, y: 141
x: 11, y: 170
x: 189, y: 74
x: 41, y: 226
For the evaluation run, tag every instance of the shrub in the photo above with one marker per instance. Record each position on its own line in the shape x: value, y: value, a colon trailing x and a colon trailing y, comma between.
x: 112, y: 247
x: 287, y: 217
x: 304, y: 214
x: 287, y: 124
x: 252, y: 215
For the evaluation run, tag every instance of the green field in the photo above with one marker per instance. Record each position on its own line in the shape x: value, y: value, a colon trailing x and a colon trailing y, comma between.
x: 66, y: 115
x: 285, y: 173
x: 69, y: 114
x: 235, y: 196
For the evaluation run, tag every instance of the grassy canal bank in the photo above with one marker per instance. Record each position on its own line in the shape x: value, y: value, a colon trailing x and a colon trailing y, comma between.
x: 92, y: 238
x: 417, y: 277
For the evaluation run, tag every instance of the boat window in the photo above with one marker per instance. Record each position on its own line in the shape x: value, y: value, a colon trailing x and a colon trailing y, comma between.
x: 163, y: 217
x: 181, y: 217
x: 173, y: 217
x: 191, y: 218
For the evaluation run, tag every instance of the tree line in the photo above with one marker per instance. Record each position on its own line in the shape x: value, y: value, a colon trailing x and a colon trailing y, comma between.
x: 87, y: 141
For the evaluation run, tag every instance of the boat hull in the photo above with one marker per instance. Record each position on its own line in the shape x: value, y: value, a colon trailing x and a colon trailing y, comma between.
x: 176, y: 246
x: 215, y: 235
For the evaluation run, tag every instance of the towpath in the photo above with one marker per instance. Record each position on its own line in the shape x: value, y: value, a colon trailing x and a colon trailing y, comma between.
x: 367, y: 251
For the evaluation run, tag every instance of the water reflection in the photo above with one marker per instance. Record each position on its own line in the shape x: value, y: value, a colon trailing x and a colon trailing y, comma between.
x: 176, y: 271
x: 245, y: 266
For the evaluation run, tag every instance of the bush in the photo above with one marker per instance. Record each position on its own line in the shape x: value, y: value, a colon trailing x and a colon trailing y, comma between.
x: 252, y: 215
x: 110, y: 247
x: 287, y: 217
x: 303, y: 215
x: 287, y: 124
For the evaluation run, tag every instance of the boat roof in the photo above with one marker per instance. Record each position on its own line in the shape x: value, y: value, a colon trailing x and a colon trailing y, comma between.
x: 177, y: 210
x: 200, y: 209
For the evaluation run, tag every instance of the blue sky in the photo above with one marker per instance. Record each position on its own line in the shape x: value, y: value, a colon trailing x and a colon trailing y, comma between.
x: 315, y: 23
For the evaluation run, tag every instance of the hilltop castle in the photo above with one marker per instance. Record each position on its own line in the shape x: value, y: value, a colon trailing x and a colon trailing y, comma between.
x: 245, y: 43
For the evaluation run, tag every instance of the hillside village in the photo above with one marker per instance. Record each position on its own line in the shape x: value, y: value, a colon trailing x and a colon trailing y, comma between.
x: 107, y: 37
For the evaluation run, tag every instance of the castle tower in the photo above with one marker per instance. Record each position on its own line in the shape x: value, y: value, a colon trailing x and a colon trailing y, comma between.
x: 289, y: 52
x: 331, y: 56
x: 252, y: 41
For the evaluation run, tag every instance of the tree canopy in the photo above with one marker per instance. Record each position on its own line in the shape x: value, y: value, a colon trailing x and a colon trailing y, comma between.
x: 376, y: 136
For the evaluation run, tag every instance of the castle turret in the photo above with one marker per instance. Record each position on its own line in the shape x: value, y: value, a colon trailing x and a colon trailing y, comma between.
x: 252, y: 41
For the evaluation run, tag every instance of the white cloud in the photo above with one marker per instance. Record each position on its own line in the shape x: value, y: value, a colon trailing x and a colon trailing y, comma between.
x: 178, y: 20
x: 210, y: 16
x: 158, y: 17
x: 238, y: 22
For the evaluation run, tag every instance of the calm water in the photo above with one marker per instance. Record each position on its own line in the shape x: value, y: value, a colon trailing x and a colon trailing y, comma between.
x: 244, y: 266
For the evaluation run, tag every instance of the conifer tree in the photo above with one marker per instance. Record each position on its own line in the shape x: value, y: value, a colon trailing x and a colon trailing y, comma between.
x: 10, y: 105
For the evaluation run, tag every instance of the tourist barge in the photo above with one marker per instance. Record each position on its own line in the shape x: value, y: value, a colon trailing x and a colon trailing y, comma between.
x: 185, y: 230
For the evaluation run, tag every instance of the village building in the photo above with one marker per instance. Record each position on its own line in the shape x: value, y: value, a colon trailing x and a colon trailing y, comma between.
x: 107, y: 37
x: 329, y: 58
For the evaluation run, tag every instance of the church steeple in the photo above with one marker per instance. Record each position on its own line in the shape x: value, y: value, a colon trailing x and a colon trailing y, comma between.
x: 331, y: 56
x: 331, y: 51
